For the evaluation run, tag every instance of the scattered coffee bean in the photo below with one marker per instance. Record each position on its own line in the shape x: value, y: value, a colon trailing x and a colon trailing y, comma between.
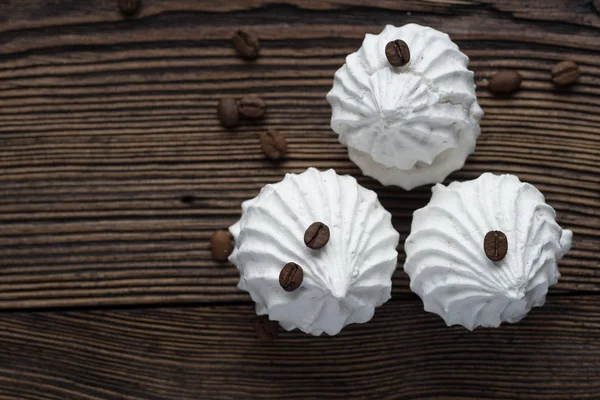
x: 505, y: 82
x: 397, y: 53
x: 221, y: 245
x: 246, y: 44
x: 266, y: 330
x: 291, y: 276
x: 495, y: 245
x: 316, y: 236
x: 228, y: 113
x: 273, y: 144
x: 129, y: 7
x: 564, y: 73
x: 252, y: 107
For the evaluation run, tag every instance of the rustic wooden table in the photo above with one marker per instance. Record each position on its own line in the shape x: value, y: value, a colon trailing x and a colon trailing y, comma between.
x: 107, y: 286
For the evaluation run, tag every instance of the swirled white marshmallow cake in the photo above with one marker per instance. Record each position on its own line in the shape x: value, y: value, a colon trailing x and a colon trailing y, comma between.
x: 485, y: 251
x: 315, y: 251
x: 405, y: 106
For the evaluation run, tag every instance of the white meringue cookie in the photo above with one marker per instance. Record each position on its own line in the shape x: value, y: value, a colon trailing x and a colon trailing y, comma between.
x: 345, y: 280
x: 410, y: 125
x: 449, y: 269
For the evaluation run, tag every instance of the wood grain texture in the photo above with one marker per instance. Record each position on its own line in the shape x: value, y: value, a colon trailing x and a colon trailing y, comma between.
x: 212, y: 353
x: 107, y: 123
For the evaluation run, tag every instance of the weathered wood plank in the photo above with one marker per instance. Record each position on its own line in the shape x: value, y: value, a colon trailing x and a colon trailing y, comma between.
x: 205, y: 352
x: 35, y: 14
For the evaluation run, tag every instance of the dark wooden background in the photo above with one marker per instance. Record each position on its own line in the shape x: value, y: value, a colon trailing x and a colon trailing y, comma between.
x: 107, y: 286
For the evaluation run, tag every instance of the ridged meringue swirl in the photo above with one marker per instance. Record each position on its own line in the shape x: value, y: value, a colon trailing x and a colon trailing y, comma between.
x: 409, y: 125
x: 345, y: 280
x: 448, y: 267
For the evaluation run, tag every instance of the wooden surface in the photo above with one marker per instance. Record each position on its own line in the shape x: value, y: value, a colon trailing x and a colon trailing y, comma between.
x: 211, y: 352
x: 107, y: 123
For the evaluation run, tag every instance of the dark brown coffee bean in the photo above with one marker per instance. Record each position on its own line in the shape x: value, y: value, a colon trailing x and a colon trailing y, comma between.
x: 397, y: 53
x: 505, y: 82
x: 273, y: 144
x: 564, y: 73
x: 316, y: 236
x: 246, y: 45
x: 266, y: 330
x: 252, y: 107
x: 291, y: 276
x: 129, y: 7
x: 228, y: 113
x: 221, y: 245
x: 495, y: 245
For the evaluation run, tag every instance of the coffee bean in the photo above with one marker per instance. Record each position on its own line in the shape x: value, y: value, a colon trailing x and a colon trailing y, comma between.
x: 505, y: 82
x: 252, y: 107
x: 221, y: 245
x: 291, y: 276
x: 129, y: 7
x: 564, y: 73
x: 266, y: 330
x: 495, y: 245
x: 228, y: 113
x: 397, y: 53
x: 246, y: 45
x: 316, y: 236
x: 597, y: 6
x: 273, y: 144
